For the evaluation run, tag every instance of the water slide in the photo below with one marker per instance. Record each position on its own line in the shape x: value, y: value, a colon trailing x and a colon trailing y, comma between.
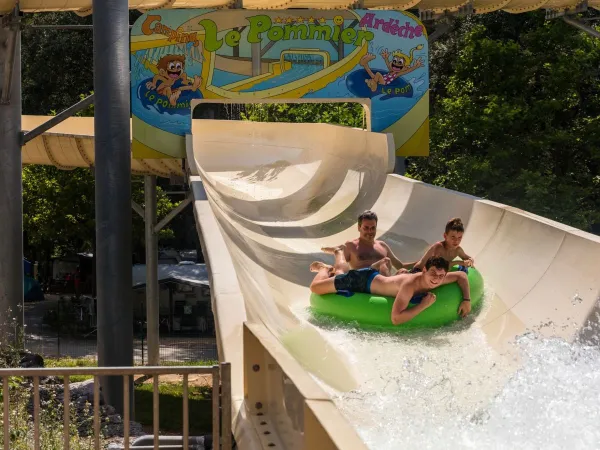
x: 522, y: 372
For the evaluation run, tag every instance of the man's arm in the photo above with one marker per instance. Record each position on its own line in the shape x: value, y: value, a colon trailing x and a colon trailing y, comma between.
x: 395, y: 261
x: 348, y: 247
x: 399, y: 312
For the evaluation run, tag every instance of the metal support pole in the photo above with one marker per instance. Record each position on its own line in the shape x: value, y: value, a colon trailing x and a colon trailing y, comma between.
x: 152, y: 306
x: 174, y: 213
x: 60, y: 117
x: 440, y: 29
x: 65, y: 27
x: 400, y: 166
x: 113, y: 193
x: 11, y: 197
x: 9, y: 45
x: 138, y: 209
x: 582, y: 26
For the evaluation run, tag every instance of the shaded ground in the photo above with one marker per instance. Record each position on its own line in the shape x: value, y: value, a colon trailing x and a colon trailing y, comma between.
x: 43, y: 340
x: 193, y: 380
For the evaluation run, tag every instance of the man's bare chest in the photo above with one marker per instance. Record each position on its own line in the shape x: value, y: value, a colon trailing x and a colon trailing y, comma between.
x: 370, y: 253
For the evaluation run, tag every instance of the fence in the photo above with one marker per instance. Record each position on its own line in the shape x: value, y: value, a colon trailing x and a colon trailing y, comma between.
x: 64, y: 328
x: 221, y: 402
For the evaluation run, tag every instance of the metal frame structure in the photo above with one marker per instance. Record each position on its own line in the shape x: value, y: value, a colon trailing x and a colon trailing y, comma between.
x: 567, y: 16
x: 582, y: 26
x: 152, y: 228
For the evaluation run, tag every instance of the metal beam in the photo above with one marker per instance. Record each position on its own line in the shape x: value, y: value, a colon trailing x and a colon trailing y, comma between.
x: 174, y: 212
x: 400, y: 165
x: 580, y: 7
x: 11, y: 25
x: 152, y: 306
x: 138, y: 209
x: 582, y: 26
x: 60, y: 117
x: 65, y: 27
x: 112, y: 142
x: 11, y: 198
x: 441, y: 28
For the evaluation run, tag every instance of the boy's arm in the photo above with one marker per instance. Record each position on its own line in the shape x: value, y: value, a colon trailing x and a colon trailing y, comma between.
x: 463, y: 283
x: 399, y: 312
x: 466, y: 259
x: 429, y: 253
x: 395, y: 261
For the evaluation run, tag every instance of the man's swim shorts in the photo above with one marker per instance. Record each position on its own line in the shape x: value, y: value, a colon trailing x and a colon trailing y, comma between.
x: 356, y: 280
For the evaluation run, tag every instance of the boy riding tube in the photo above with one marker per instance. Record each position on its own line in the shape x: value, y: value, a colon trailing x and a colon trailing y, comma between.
x: 405, y: 288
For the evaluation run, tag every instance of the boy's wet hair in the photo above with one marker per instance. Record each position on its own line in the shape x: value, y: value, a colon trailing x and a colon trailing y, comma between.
x: 367, y: 215
x: 455, y: 225
x: 438, y: 262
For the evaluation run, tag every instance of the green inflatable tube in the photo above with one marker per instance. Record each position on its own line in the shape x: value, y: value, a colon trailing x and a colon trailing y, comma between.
x: 374, y: 312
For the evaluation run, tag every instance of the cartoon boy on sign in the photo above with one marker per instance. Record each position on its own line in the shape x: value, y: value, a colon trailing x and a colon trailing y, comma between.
x: 171, y: 68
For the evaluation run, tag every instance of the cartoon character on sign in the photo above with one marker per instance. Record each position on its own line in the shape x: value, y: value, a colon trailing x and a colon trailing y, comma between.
x: 171, y: 69
x: 399, y: 64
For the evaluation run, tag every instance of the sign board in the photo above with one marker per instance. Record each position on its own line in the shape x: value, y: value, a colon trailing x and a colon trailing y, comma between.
x: 240, y: 56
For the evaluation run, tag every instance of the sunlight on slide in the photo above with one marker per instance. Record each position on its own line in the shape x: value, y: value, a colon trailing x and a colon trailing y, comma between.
x: 496, y: 378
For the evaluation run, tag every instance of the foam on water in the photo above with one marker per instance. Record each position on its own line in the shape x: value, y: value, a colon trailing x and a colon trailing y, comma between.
x: 451, y: 389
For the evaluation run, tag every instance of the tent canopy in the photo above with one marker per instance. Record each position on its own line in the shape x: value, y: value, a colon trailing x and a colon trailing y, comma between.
x: 184, y: 273
x: 84, y: 7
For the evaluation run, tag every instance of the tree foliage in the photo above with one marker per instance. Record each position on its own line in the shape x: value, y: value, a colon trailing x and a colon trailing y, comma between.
x: 59, y: 210
x: 348, y: 114
x: 57, y: 65
x: 516, y: 116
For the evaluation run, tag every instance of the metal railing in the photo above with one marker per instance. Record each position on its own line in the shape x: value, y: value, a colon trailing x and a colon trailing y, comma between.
x: 221, y: 399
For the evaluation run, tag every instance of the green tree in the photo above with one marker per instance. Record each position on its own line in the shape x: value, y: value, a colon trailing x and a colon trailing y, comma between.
x: 516, y: 117
x: 57, y: 64
x: 348, y: 114
x: 59, y: 211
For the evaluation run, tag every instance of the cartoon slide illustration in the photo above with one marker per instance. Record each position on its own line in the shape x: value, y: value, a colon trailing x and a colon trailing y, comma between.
x: 179, y: 57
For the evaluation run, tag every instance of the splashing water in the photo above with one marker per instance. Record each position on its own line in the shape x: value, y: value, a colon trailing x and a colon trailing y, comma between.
x: 451, y: 389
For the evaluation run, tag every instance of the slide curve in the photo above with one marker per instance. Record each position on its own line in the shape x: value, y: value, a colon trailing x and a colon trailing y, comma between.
x: 268, y: 196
